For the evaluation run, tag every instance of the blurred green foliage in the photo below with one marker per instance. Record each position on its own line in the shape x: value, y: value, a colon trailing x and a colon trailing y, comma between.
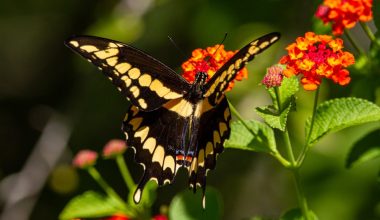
x: 39, y: 77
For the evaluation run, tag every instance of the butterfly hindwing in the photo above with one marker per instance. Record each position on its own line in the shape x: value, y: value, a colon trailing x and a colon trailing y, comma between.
x: 214, y: 129
x: 159, y: 138
x: 218, y: 83
x: 145, y: 81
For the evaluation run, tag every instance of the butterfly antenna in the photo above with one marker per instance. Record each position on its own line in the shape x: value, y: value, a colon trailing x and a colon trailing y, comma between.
x: 177, y: 47
x: 220, y: 44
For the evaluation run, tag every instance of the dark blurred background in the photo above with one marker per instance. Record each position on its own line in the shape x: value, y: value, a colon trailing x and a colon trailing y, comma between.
x: 53, y: 103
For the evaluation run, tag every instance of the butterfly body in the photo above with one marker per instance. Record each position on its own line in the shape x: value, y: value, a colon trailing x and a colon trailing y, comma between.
x: 171, y: 123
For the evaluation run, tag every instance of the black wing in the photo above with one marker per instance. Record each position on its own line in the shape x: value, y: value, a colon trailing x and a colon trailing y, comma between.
x: 145, y: 81
x: 215, y: 87
x: 161, y: 145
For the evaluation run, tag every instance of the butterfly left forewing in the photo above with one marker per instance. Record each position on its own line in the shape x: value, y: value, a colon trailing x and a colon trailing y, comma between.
x: 218, y: 83
x: 145, y: 81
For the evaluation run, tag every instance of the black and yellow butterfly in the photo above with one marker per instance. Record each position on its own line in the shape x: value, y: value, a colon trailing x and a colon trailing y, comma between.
x: 171, y: 122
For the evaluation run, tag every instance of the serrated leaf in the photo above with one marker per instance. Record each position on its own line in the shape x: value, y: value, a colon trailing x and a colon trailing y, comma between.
x: 188, y: 206
x: 340, y: 113
x: 296, y: 214
x: 365, y: 149
x: 273, y: 119
x: 288, y: 88
x: 92, y: 205
x: 259, y: 137
x: 286, y: 91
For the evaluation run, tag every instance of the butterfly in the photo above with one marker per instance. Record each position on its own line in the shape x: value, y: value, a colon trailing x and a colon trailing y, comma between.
x: 171, y: 123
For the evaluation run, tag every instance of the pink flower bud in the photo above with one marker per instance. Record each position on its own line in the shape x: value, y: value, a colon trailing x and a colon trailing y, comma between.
x: 85, y: 158
x: 114, y: 147
x: 273, y: 77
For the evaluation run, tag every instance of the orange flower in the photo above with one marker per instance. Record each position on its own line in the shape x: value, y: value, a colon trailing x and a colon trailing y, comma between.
x: 344, y: 13
x: 322, y: 57
x: 209, y: 60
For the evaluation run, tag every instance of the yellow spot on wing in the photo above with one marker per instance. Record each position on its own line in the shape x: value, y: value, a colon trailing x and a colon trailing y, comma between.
x: 74, y: 43
x: 180, y: 106
x: 142, y: 103
x: 201, y: 107
x: 142, y: 133
x: 273, y: 39
x: 110, y: 52
x: 253, y: 50
x: 123, y: 67
x: 222, y: 127
x: 209, y: 148
x: 135, y: 123
x: 226, y: 114
x: 137, y: 195
x: 194, y: 165
x: 172, y: 95
x: 216, y: 137
x: 150, y: 144
x: 134, y: 73
x: 169, y: 163
x: 127, y: 80
x: 159, y: 88
x: 89, y: 48
x: 145, y: 80
x: 158, y: 155
x: 135, y: 91
x: 201, y: 158
x: 264, y: 44
x: 111, y: 44
x: 112, y: 61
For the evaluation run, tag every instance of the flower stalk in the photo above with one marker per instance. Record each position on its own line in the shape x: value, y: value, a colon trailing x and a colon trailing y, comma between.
x: 353, y: 42
x: 369, y: 33
x: 125, y: 172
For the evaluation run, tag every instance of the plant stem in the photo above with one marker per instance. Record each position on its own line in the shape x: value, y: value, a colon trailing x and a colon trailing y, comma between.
x: 275, y: 154
x: 239, y: 117
x: 369, y: 33
x: 307, y: 141
x: 300, y: 194
x: 294, y: 166
x: 102, y: 183
x: 285, y: 134
x: 288, y: 148
x: 353, y: 43
x: 125, y: 172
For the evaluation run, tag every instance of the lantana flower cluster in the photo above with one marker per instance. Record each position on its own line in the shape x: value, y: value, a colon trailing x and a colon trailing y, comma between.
x: 316, y: 57
x: 209, y: 60
x: 344, y: 13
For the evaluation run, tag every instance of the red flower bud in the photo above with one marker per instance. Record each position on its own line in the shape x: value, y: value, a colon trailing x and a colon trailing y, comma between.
x: 85, y: 158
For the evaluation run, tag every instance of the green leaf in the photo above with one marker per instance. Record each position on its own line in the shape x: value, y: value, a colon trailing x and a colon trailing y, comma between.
x: 288, y: 88
x: 259, y: 137
x: 340, y: 113
x: 92, y: 205
x: 188, y: 206
x: 319, y: 27
x: 296, y: 214
x: 149, y: 196
x: 365, y: 149
x: 273, y: 119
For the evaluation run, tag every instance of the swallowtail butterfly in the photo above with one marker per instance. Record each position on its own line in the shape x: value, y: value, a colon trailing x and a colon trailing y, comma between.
x: 171, y: 123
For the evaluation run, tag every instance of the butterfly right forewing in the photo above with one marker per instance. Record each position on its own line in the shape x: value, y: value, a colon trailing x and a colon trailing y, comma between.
x: 218, y: 83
